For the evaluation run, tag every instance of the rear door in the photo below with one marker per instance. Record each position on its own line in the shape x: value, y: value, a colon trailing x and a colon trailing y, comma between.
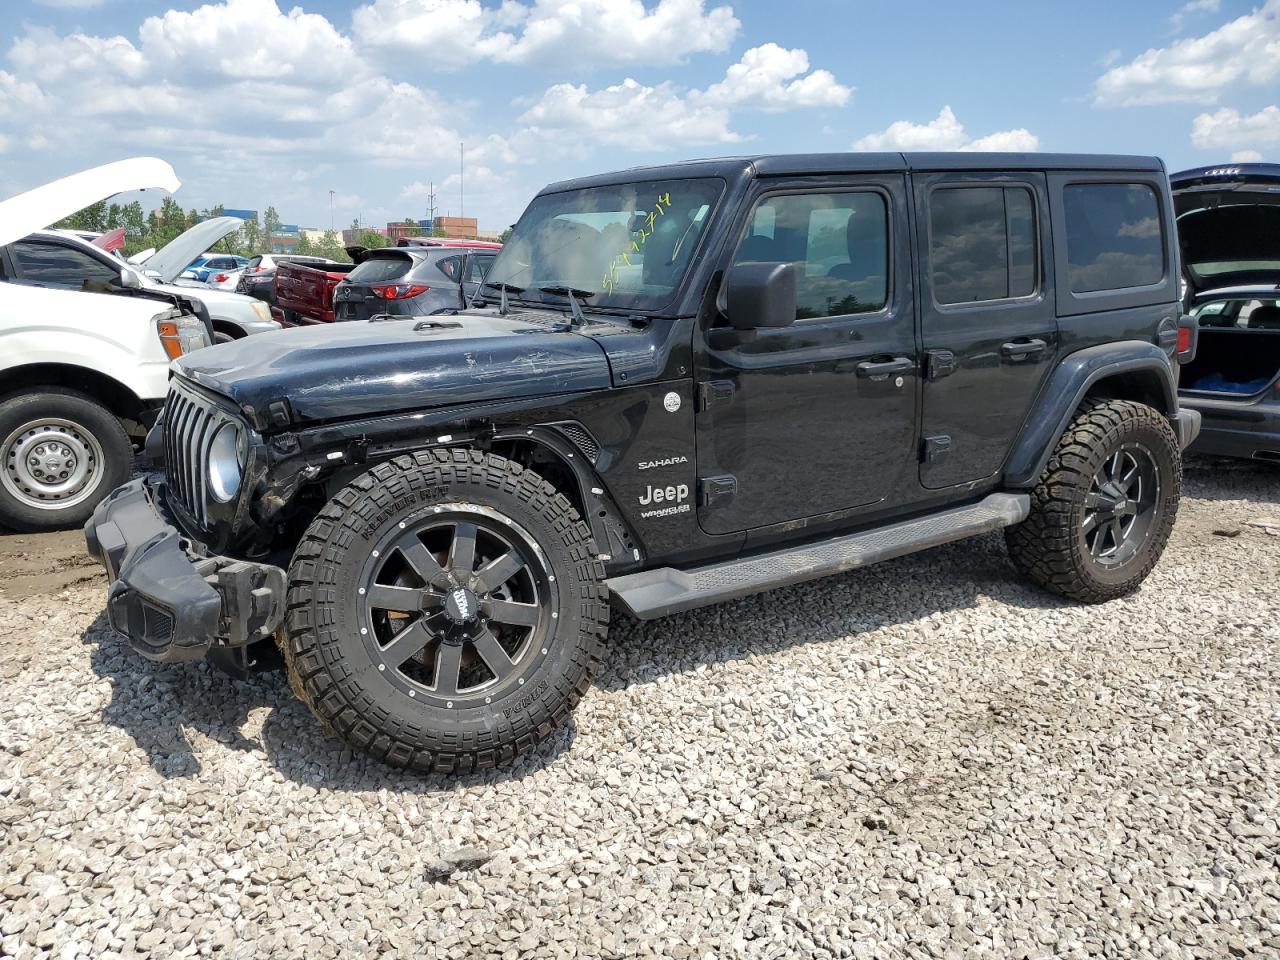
x: 818, y: 417
x: 476, y: 267
x: 987, y: 317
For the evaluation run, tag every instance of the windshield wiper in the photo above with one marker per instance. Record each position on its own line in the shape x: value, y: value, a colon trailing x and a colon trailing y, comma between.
x: 572, y: 294
x: 503, y: 288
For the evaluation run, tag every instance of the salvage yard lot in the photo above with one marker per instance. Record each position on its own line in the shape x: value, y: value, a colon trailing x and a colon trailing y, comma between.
x: 924, y: 758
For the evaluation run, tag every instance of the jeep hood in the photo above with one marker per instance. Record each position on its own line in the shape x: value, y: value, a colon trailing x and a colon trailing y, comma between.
x: 36, y: 209
x: 1228, y: 225
x: 338, y: 371
x: 169, y: 261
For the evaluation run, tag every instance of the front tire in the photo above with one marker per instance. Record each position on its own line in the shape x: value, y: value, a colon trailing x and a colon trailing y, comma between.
x: 61, y: 452
x: 446, y: 611
x: 1105, y: 505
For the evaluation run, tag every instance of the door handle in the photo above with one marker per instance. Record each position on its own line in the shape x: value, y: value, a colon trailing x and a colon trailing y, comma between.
x: 1022, y: 348
x: 879, y: 369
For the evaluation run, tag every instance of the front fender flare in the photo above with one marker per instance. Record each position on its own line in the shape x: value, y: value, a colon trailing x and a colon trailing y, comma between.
x: 1069, y: 384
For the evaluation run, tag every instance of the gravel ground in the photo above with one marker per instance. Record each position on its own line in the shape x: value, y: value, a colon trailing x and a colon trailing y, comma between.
x: 926, y: 759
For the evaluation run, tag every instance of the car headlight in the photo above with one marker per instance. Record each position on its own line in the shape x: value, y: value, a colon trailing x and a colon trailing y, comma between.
x: 262, y: 310
x: 224, y: 463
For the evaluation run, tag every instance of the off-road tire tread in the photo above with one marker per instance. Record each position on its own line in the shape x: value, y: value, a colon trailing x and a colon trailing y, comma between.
x: 1044, y: 547
x: 338, y: 702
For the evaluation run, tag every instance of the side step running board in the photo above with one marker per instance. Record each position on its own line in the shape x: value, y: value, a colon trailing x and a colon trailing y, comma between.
x: 656, y: 593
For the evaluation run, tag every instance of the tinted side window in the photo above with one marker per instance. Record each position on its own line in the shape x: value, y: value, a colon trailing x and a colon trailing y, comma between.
x: 838, y: 242
x: 479, y: 266
x: 982, y: 243
x: 1114, y: 236
x: 60, y: 266
x: 451, y: 267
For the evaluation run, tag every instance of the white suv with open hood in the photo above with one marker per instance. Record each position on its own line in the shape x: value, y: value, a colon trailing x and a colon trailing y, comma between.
x: 81, y: 372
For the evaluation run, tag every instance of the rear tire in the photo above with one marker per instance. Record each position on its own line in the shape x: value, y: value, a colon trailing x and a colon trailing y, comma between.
x: 61, y: 452
x: 446, y: 611
x: 1105, y: 504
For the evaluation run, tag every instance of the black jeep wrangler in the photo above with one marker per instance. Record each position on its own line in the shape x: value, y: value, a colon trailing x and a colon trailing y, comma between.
x: 679, y: 385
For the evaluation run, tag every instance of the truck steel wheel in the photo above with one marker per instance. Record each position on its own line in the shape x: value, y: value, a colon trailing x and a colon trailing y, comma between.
x: 446, y: 611
x: 1105, y: 505
x: 60, y: 454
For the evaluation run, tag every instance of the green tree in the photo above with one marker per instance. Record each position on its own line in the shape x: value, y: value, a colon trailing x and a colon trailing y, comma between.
x: 371, y: 240
x: 270, y: 227
x: 304, y: 246
x: 330, y: 246
x: 251, y: 236
x: 114, y: 216
x: 134, y: 221
x: 505, y: 235
x: 92, y: 217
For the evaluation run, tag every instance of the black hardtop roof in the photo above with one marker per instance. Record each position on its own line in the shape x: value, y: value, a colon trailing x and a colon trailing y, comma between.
x: 815, y: 164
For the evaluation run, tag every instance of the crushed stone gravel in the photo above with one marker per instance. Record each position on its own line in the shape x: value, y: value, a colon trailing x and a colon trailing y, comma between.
x: 927, y: 758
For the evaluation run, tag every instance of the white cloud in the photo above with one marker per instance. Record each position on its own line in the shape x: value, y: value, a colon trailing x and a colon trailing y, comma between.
x: 1246, y: 156
x: 1229, y: 129
x: 1191, y: 9
x: 559, y: 33
x: 1245, y: 51
x: 46, y: 56
x: 248, y: 39
x: 642, y: 117
x: 770, y: 77
x: 626, y: 114
x: 945, y: 132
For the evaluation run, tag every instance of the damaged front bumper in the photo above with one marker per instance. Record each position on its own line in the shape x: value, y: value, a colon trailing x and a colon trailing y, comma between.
x: 171, y: 599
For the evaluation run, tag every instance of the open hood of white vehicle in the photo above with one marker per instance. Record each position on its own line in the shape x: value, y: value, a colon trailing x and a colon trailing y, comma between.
x: 167, y: 263
x: 38, y: 208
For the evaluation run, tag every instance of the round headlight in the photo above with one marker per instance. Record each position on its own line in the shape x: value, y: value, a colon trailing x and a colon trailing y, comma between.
x: 224, y: 463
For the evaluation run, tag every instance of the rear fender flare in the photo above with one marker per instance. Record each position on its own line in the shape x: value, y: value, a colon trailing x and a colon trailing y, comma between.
x: 1076, y: 376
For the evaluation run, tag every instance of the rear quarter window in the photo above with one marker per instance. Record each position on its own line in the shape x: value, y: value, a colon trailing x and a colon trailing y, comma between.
x: 1115, y: 236
x: 451, y: 267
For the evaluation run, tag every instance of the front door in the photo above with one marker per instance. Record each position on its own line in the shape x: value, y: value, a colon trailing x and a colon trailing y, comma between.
x: 987, y: 318
x: 818, y: 417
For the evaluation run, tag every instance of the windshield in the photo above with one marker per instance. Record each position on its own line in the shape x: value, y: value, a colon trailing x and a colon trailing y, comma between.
x: 622, y: 246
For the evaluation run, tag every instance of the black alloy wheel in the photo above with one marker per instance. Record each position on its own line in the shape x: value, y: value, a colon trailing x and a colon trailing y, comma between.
x: 458, y: 606
x: 1120, y: 505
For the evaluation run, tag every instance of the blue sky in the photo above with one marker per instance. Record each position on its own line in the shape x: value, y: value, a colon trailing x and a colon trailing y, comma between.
x: 258, y: 102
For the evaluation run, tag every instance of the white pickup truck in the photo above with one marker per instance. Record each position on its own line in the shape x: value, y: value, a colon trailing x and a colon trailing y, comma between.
x: 82, y: 374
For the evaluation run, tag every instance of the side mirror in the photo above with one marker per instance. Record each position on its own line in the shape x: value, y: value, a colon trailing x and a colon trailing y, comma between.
x: 129, y: 279
x: 761, y: 295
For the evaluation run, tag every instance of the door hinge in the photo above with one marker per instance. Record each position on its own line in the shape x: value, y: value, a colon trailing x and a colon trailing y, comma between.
x: 939, y: 364
x: 712, y: 489
x: 711, y: 392
x: 934, y: 448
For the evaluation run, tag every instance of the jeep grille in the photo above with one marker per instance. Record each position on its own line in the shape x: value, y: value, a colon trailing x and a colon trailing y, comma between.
x: 190, y: 421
